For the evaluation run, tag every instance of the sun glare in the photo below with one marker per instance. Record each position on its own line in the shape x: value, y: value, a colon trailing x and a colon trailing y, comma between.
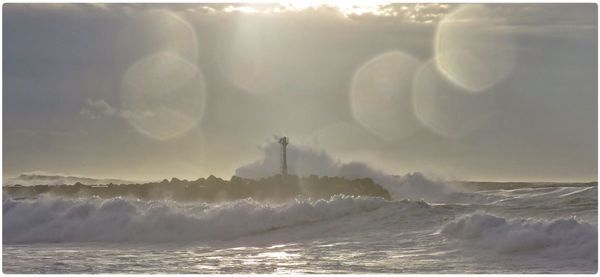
x: 345, y: 8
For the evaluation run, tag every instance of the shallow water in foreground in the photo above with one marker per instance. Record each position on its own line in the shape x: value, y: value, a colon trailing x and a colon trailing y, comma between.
x: 528, y: 230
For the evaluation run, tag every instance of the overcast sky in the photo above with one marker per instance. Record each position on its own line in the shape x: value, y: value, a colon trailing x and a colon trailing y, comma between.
x: 495, y: 92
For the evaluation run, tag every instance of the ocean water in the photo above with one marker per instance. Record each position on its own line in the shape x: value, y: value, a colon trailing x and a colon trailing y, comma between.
x: 533, y: 229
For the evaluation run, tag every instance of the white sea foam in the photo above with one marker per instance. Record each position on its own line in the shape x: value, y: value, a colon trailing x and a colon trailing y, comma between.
x: 559, y: 238
x: 53, y: 219
x: 361, y: 228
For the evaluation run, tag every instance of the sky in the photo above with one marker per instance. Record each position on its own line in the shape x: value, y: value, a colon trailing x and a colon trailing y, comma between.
x: 498, y: 92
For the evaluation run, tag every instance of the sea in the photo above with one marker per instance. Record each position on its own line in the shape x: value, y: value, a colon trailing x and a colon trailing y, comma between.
x: 484, y: 228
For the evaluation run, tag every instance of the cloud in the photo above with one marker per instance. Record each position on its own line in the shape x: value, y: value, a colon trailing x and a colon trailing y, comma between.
x: 519, y: 14
x: 96, y: 108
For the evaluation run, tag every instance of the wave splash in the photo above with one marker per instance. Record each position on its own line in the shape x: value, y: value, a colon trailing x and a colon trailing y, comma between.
x: 305, y: 160
x: 559, y: 238
x: 55, y: 219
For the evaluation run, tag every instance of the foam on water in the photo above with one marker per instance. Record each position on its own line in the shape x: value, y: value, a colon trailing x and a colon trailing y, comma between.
x: 466, y: 232
x: 51, y: 219
x: 429, y: 226
x: 559, y: 238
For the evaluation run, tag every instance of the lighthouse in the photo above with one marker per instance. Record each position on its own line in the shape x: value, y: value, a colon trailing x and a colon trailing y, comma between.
x: 284, y: 142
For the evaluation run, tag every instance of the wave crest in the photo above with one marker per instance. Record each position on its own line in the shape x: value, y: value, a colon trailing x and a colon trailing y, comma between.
x: 560, y: 238
x: 53, y: 219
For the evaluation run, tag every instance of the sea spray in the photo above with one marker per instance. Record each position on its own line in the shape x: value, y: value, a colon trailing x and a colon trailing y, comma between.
x: 305, y: 160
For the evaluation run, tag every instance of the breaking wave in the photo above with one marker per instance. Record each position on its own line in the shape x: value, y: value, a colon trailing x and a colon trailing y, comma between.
x: 305, y: 160
x: 55, y: 219
x: 559, y: 238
